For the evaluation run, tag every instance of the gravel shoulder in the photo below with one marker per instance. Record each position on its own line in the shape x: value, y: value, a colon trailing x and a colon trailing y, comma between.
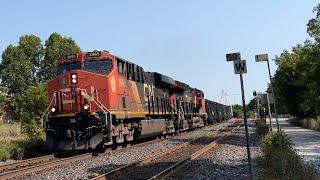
x: 102, y: 164
x: 227, y: 161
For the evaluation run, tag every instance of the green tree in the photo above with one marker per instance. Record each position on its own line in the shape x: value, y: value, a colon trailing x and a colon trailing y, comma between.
x: 314, y: 24
x: 237, y: 111
x: 296, y: 81
x: 20, y: 64
x: 33, y: 49
x: 15, y: 70
x: 33, y: 104
x: 56, y: 47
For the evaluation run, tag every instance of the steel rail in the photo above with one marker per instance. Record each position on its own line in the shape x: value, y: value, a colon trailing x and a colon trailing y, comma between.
x: 193, y: 156
x: 27, y: 162
x: 155, y: 156
x: 39, y: 167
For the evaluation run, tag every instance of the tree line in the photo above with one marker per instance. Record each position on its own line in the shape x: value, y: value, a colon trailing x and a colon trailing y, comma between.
x: 24, y: 72
x: 297, y: 79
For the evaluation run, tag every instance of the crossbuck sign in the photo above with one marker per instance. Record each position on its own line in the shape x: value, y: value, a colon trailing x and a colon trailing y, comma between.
x: 240, y: 67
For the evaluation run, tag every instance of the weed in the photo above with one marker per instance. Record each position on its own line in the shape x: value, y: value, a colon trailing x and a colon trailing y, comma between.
x: 262, y: 127
x: 281, y: 161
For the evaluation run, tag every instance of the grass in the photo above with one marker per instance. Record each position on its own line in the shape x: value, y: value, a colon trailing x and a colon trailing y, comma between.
x: 14, y: 145
x: 281, y: 161
x: 10, y: 132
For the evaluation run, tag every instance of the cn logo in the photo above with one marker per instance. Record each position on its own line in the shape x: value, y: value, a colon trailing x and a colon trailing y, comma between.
x: 240, y: 67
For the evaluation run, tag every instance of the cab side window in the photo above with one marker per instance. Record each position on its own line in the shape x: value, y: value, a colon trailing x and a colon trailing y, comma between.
x: 121, y: 69
x: 138, y: 74
x: 129, y: 71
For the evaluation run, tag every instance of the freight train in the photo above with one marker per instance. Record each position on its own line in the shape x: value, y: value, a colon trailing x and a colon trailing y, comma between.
x: 98, y: 99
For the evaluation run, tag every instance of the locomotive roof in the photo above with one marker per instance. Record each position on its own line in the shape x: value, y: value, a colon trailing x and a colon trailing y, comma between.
x: 82, y: 56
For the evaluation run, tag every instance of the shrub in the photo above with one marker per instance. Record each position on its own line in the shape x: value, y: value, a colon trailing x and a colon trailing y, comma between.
x: 19, y: 149
x: 4, y: 154
x: 33, y: 105
x: 308, y: 123
x: 262, y: 127
x: 281, y: 161
x: 250, y: 114
x: 295, y: 121
x: 10, y: 150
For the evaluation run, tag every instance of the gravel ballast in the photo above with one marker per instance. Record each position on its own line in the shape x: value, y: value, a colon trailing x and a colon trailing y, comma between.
x: 228, y: 161
x: 102, y: 164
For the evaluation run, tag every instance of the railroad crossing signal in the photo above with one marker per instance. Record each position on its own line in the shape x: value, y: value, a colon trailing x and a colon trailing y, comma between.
x: 233, y: 56
x: 240, y: 67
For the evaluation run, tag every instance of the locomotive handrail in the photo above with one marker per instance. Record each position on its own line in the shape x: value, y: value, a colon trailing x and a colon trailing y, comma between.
x: 47, y: 110
x: 97, y: 102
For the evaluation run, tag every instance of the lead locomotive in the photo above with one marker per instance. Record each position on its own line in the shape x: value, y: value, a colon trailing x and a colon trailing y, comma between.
x: 97, y: 98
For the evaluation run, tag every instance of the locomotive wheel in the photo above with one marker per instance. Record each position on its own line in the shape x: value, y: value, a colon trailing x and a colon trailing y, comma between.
x: 101, y: 148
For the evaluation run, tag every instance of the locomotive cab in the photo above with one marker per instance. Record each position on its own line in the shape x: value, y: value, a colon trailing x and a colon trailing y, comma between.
x: 78, y: 97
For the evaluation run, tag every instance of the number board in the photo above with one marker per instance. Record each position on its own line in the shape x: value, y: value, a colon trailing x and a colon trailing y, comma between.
x: 72, y: 56
x: 94, y: 54
x: 233, y: 56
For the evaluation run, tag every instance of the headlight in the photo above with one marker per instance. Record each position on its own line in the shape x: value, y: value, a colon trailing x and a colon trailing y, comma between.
x: 74, y: 78
x: 86, y: 107
x: 53, y: 109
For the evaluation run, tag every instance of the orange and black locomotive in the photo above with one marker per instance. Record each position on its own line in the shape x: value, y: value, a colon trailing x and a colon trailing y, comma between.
x: 97, y: 98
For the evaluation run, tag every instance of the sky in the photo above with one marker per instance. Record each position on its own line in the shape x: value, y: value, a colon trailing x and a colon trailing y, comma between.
x: 184, y: 39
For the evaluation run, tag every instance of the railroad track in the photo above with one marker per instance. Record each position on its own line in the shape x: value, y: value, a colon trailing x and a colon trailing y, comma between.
x: 162, y: 164
x: 26, y: 167
x: 29, y: 166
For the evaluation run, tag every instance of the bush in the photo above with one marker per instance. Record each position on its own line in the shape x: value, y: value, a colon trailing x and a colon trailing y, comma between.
x: 250, y: 114
x: 32, y: 106
x: 262, y: 127
x: 237, y: 111
x: 11, y: 150
x: 4, y: 154
x: 308, y: 123
x: 281, y: 161
x: 19, y: 149
x: 295, y: 121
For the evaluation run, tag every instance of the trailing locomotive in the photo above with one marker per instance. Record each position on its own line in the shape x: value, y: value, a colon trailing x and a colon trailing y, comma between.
x: 97, y: 98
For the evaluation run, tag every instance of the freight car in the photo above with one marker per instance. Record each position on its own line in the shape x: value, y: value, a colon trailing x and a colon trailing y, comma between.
x: 97, y: 98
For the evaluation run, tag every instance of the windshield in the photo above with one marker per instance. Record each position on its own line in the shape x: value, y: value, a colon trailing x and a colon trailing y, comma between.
x: 68, y: 67
x: 103, y: 66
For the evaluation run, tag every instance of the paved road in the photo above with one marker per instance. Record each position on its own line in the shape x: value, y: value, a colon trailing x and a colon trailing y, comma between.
x: 306, y: 141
